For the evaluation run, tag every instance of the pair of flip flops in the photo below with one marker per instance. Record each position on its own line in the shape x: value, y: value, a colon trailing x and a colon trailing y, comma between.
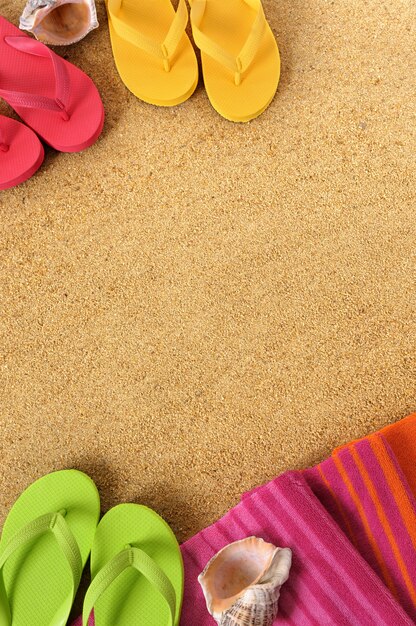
x: 55, y: 99
x: 136, y: 564
x: 156, y: 60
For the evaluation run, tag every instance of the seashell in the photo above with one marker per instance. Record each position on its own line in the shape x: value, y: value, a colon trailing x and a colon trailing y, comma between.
x: 241, y: 583
x: 59, y: 22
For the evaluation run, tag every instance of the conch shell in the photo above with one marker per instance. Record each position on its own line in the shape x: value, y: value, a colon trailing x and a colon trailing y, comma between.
x: 241, y: 583
x: 59, y: 22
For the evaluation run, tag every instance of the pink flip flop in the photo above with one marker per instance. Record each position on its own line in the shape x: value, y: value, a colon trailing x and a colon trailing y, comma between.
x: 21, y: 153
x: 52, y: 96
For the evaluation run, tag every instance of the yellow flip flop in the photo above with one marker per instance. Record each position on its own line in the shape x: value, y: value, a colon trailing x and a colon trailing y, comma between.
x: 152, y: 51
x: 240, y: 57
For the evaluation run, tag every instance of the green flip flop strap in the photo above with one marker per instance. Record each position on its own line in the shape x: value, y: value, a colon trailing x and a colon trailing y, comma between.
x: 143, y: 563
x: 51, y: 522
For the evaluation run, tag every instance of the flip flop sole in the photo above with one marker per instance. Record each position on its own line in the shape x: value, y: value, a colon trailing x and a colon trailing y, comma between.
x: 228, y: 24
x: 131, y: 599
x: 33, y: 74
x: 144, y: 74
x: 24, y: 155
x: 35, y: 575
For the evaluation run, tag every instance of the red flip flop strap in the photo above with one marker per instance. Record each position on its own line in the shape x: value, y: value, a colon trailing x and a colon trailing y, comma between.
x: 62, y: 84
x: 3, y: 146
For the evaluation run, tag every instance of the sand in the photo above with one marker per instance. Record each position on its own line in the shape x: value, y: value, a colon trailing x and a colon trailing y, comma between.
x: 191, y: 306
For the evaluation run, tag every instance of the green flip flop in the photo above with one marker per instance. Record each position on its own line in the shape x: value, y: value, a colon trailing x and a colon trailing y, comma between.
x: 44, y: 545
x: 136, y: 570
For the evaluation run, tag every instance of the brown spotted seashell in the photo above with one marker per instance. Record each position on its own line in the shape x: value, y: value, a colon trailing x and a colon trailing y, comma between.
x: 241, y: 583
x: 59, y: 22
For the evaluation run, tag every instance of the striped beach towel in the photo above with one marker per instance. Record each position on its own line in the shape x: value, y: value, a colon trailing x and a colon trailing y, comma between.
x: 351, y: 524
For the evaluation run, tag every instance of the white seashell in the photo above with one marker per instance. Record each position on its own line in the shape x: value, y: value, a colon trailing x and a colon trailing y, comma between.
x: 59, y: 22
x: 241, y: 583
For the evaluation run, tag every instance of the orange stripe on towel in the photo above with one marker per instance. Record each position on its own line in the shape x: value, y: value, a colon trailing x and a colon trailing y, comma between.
x: 384, y: 522
x: 395, y: 484
x: 401, y: 437
x: 377, y: 553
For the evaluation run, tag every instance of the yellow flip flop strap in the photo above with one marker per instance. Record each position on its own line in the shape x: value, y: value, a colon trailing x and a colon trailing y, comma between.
x: 164, y: 50
x: 239, y: 64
